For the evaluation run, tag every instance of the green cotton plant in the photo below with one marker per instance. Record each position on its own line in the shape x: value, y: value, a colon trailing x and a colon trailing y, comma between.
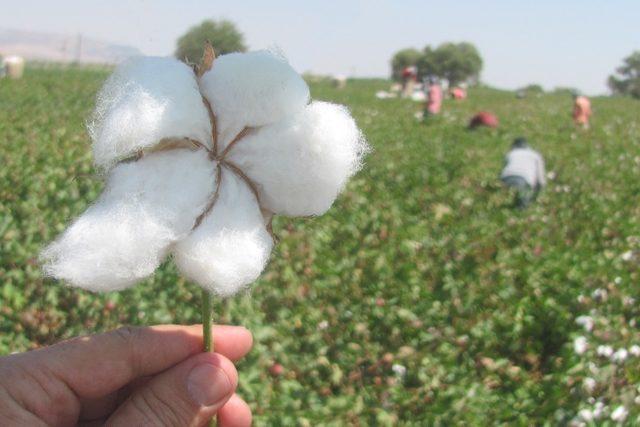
x: 480, y: 286
x: 197, y: 163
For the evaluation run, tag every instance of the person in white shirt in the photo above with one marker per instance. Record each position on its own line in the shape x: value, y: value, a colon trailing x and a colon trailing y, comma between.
x: 524, y: 172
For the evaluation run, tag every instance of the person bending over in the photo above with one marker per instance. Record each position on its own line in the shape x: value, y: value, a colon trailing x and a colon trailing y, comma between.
x: 483, y: 119
x: 524, y: 172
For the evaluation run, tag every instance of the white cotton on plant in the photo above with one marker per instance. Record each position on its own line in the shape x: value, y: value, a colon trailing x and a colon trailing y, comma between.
x: 145, y: 100
x: 604, y: 351
x: 580, y: 345
x: 399, y: 370
x: 589, y: 384
x: 586, y: 414
x: 619, y: 414
x: 599, y: 409
x: 166, y: 199
x: 620, y: 355
x: 586, y: 322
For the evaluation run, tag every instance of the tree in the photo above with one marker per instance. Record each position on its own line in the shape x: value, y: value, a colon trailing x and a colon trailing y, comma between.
x: 428, y: 65
x: 223, y: 35
x: 455, y: 62
x: 402, y: 59
x: 627, y: 80
x: 534, y: 88
x: 565, y: 91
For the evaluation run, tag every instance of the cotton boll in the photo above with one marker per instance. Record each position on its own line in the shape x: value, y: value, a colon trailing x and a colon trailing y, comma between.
x: 145, y: 100
x: 110, y: 247
x: 619, y: 414
x: 300, y: 164
x: 146, y: 206
x: 231, y: 246
x: 586, y: 415
x: 589, y: 384
x: 620, y: 355
x: 580, y: 345
x: 586, y: 322
x: 604, y: 351
x: 252, y: 89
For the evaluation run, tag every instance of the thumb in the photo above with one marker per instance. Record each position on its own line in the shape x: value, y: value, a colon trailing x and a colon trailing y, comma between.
x: 189, y: 394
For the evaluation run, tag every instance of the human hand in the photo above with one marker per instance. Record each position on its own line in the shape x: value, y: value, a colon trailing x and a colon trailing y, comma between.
x: 152, y: 376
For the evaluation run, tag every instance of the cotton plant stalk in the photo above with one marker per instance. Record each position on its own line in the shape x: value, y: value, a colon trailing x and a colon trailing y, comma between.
x: 197, y: 161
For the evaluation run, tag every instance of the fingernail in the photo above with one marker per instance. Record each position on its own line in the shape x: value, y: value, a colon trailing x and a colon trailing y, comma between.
x: 208, y: 384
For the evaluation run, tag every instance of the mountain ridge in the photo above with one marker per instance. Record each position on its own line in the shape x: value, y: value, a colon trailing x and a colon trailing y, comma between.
x: 51, y: 47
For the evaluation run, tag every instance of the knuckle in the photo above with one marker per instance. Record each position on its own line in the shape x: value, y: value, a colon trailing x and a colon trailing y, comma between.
x: 127, y: 334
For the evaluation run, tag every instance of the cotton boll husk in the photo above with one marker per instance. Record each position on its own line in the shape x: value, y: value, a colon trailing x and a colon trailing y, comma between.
x: 252, y: 89
x: 301, y: 163
x: 145, y: 100
x: 146, y: 207
x: 231, y: 246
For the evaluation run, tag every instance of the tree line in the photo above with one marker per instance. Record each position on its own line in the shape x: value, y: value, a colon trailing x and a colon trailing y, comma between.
x: 454, y: 62
x: 626, y: 80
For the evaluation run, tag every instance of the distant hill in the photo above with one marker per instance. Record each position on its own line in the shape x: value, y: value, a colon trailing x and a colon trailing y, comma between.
x: 62, y: 48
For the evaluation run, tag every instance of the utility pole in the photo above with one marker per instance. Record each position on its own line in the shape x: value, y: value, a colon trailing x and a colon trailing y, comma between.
x: 79, y: 49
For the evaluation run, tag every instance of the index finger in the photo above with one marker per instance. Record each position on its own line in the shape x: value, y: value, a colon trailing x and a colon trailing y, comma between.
x: 95, y: 365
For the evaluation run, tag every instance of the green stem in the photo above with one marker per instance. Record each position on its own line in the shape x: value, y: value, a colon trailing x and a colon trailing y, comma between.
x: 207, y: 323
x: 207, y: 320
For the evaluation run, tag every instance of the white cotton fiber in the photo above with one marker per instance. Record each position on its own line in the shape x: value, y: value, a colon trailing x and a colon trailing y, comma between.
x: 146, y: 207
x: 297, y: 155
x: 145, y: 100
x: 230, y: 248
x: 301, y: 163
x: 252, y: 89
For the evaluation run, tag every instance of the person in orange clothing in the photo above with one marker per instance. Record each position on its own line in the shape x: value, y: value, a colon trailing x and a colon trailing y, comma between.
x: 581, y: 110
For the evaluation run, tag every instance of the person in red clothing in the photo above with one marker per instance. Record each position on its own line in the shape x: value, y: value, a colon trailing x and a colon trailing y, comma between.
x: 409, y: 78
x: 483, y: 118
x: 458, y: 93
x: 581, y: 110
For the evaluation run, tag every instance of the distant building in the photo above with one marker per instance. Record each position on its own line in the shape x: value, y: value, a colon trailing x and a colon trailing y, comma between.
x: 14, y: 66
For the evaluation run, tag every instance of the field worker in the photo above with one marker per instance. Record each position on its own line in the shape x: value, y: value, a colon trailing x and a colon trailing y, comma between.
x: 340, y: 81
x: 581, y: 110
x: 434, y: 98
x: 409, y: 78
x: 524, y: 172
x: 458, y: 93
x: 483, y: 118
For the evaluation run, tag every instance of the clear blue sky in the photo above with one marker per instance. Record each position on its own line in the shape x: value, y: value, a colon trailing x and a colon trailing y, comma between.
x: 556, y: 43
